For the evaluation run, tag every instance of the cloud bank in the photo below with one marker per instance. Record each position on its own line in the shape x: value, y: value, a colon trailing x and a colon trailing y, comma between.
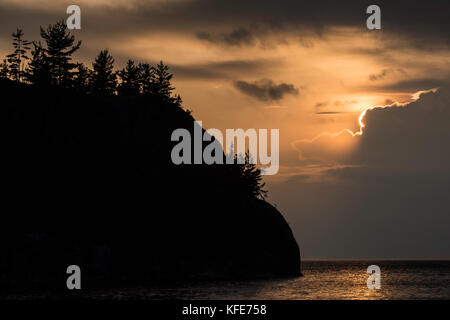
x: 411, y: 137
x: 386, y: 195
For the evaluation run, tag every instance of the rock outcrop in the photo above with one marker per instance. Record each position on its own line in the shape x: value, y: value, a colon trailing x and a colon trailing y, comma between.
x: 89, y: 181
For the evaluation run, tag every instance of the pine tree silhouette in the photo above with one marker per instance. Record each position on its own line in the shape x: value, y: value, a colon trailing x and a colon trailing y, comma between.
x: 146, y: 78
x: 18, y: 57
x: 162, y: 86
x: 129, y: 79
x: 103, y: 78
x: 252, y: 179
x: 248, y: 174
x: 4, y: 69
x: 178, y: 101
x: 60, y: 47
x: 81, y: 81
x: 52, y: 66
x: 38, y: 71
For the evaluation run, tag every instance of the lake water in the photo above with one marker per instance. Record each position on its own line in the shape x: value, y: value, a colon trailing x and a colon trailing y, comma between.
x: 338, y: 279
x: 322, y: 280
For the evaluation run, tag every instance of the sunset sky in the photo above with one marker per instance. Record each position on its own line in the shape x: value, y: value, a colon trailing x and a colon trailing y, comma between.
x: 309, y: 69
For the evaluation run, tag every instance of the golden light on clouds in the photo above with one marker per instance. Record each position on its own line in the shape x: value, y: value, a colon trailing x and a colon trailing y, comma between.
x: 339, y: 70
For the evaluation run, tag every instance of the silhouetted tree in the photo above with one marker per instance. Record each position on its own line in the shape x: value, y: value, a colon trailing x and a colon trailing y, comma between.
x: 81, y: 80
x: 178, y: 101
x: 103, y: 79
x: 129, y: 79
x: 18, y: 57
x: 146, y: 78
x: 4, y: 69
x: 248, y: 174
x: 162, y: 86
x: 38, y: 71
x: 60, y: 47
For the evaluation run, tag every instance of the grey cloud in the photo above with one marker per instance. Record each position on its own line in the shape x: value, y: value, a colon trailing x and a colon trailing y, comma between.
x: 266, y: 89
x: 397, y: 138
x: 423, y: 23
x: 386, y: 199
x: 409, y: 138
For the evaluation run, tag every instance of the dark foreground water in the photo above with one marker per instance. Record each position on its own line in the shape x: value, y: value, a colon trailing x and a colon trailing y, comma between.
x: 322, y: 280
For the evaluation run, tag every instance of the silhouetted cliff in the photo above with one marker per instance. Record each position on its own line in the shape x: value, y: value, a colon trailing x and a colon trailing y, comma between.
x: 89, y: 181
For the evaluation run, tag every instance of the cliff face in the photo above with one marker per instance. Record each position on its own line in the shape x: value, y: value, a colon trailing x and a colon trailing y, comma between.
x: 89, y: 181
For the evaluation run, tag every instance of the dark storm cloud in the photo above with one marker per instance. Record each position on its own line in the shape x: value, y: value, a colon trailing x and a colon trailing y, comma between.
x: 420, y: 22
x: 265, y: 89
x: 239, y: 22
x: 408, y: 138
x: 390, y: 200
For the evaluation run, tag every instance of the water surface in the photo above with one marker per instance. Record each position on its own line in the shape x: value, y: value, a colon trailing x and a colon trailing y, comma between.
x: 322, y: 280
